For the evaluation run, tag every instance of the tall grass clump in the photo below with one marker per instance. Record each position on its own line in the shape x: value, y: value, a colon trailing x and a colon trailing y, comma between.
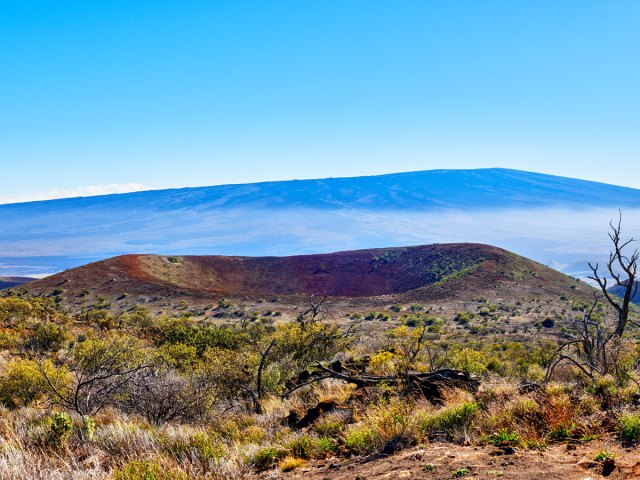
x: 453, y: 422
x: 560, y: 416
x: 386, y: 427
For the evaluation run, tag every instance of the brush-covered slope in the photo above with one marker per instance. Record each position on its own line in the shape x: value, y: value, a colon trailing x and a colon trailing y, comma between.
x: 430, y: 272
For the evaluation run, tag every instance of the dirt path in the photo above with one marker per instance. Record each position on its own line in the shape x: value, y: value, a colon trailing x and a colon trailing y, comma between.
x: 440, y: 461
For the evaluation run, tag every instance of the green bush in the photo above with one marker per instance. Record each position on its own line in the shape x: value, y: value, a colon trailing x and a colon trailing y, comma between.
x: 387, y: 427
x: 461, y: 472
x: 630, y: 427
x: 604, y: 456
x: 201, y: 337
x: 180, y: 356
x: 88, y: 428
x: 301, y: 446
x: 266, y: 457
x: 324, y: 446
x: 503, y: 437
x: 463, y: 318
x: 140, y: 317
x: 9, y: 340
x: 562, y: 431
x: 47, y: 336
x: 469, y: 360
x: 101, y: 318
x: 60, y: 428
x: 306, y: 446
x: 360, y: 439
x: 14, y: 311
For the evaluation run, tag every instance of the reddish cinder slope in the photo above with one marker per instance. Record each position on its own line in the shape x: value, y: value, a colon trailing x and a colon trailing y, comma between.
x: 416, y: 273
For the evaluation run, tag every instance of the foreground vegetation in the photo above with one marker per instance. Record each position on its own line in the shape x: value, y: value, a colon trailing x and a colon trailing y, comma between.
x: 90, y: 396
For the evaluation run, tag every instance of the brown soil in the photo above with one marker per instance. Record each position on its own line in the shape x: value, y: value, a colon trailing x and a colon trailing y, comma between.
x: 556, y: 462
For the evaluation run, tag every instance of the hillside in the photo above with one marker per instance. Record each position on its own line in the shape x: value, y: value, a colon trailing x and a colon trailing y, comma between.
x: 429, y: 273
x: 310, y: 216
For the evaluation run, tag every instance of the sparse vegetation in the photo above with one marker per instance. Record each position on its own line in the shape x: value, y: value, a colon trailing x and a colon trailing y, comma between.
x: 234, y: 387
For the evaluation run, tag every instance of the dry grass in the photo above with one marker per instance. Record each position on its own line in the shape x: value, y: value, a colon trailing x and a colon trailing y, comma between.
x: 237, y: 444
x: 291, y: 463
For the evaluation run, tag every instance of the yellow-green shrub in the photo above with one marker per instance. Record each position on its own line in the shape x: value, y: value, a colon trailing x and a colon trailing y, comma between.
x: 25, y: 383
x: 14, y: 311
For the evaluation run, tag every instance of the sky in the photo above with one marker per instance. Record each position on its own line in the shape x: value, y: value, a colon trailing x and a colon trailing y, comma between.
x: 114, y: 96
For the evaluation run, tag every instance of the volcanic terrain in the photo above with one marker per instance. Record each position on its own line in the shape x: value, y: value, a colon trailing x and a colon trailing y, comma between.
x: 444, y: 276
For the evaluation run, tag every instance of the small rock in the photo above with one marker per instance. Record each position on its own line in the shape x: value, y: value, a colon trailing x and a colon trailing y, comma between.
x: 571, y: 446
x: 608, y: 466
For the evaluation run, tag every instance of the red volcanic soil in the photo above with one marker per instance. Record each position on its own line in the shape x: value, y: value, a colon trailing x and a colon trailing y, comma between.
x: 362, y: 273
x: 430, y: 272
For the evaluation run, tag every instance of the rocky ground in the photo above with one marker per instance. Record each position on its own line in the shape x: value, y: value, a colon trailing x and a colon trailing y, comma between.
x: 446, y: 461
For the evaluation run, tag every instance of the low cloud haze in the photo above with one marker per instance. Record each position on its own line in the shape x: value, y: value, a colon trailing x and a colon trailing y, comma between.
x: 86, y: 191
x: 562, y: 238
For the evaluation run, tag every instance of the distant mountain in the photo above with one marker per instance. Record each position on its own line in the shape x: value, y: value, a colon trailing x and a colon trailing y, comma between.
x: 405, y: 274
x: 521, y: 211
x: 8, y: 282
x: 620, y: 291
x: 457, y: 189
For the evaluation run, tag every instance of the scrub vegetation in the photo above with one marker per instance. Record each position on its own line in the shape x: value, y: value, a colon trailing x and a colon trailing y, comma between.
x: 136, y: 395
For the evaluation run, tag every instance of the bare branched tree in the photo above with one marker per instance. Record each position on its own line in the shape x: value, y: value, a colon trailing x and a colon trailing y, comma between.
x: 623, y: 269
x: 594, y: 345
x: 317, y: 311
x: 293, y: 348
x: 587, y: 347
x: 162, y: 396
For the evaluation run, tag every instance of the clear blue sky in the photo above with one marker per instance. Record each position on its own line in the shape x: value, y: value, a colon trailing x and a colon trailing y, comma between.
x: 181, y: 93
